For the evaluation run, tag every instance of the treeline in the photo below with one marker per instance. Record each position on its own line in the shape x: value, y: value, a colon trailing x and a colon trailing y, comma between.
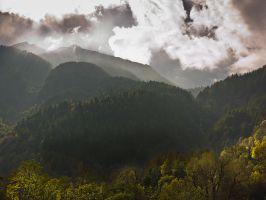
x: 238, y: 172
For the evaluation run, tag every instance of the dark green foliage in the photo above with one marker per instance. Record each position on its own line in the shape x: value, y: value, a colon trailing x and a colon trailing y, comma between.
x: 237, y: 104
x: 119, y: 129
x: 81, y: 81
x: 5, y: 129
x: 238, y: 123
x: 234, y: 92
x: 232, y: 126
x: 22, y: 75
x: 236, y: 173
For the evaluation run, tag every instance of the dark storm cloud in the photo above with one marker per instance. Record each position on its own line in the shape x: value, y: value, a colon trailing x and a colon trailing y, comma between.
x: 121, y: 16
x: 188, y: 4
x: 190, y: 30
x: 201, y: 31
x: 253, y: 12
x: 12, y: 26
x: 65, y: 25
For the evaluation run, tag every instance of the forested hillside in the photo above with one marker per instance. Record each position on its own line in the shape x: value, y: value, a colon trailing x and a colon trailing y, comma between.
x: 81, y: 81
x: 236, y: 173
x: 22, y: 75
x: 238, y: 104
x: 126, y: 128
x: 101, y: 130
x: 234, y: 92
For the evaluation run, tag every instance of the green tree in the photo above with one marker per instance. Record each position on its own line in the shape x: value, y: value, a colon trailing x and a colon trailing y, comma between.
x: 126, y: 186
x: 206, y: 173
x: 55, y: 189
x: 180, y: 189
x: 84, y: 192
x: 27, y: 182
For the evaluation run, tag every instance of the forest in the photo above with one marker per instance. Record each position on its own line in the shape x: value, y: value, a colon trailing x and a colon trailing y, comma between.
x: 237, y: 172
x: 76, y: 131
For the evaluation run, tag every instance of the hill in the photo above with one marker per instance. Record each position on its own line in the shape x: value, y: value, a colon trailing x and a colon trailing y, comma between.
x: 114, y: 66
x: 22, y: 75
x: 234, y: 92
x: 81, y: 81
x: 238, y: 104
x: 116, y: 130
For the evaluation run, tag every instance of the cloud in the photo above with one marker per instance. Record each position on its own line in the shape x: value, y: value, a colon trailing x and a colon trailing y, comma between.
x: 92, y: 30
x: 253, y: 12
x: 189, y: 78
x: 214, y: 31
x: 89, y: 31
x: 119, y: 15
x: 37, y: 9
x: 67, y: 24
x: 206, y: 35
x: 113, y: 16
x: 205, y: 40
x: 12, y: 27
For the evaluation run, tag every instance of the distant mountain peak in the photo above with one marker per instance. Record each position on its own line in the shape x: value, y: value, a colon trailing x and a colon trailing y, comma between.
x: 32, y: 48
x: 70, y: 49
x: 114, y: 66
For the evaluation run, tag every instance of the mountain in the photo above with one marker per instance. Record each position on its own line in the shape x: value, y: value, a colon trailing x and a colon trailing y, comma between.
x: 32, y: 48
x: 234, y: 92
x: 81, y: 81
x: 114, y: 130
x: 22, y: 75
x: 112, y: 65
x: 237, y: 105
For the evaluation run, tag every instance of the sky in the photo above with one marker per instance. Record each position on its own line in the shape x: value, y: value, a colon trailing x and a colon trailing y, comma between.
x: 37, y: 9
x: 191, y: 42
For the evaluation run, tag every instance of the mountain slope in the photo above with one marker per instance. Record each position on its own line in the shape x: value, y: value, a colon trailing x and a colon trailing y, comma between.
x: 237, y: 104
x: 112, y: 65
x: 125, y: 128
x: 31, y: 48
x: 22, y: 75
x: 81, y: 81
x: 234, y: 92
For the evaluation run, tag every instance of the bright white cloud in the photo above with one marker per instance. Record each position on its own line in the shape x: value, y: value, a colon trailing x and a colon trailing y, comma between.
x: 37, y: 9
x: 161, y: 26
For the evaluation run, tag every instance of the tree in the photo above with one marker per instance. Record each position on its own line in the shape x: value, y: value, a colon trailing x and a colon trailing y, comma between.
x: 182, y: 189
x: 54, y: 189
x: 27, y: 182
x: 126, y: 186
x: 206, y: 173
x: 84, y: 192
x: 2, y: 188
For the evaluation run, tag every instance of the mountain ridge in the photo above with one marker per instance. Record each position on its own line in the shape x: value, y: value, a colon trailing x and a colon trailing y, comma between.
x: 113, y: 65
